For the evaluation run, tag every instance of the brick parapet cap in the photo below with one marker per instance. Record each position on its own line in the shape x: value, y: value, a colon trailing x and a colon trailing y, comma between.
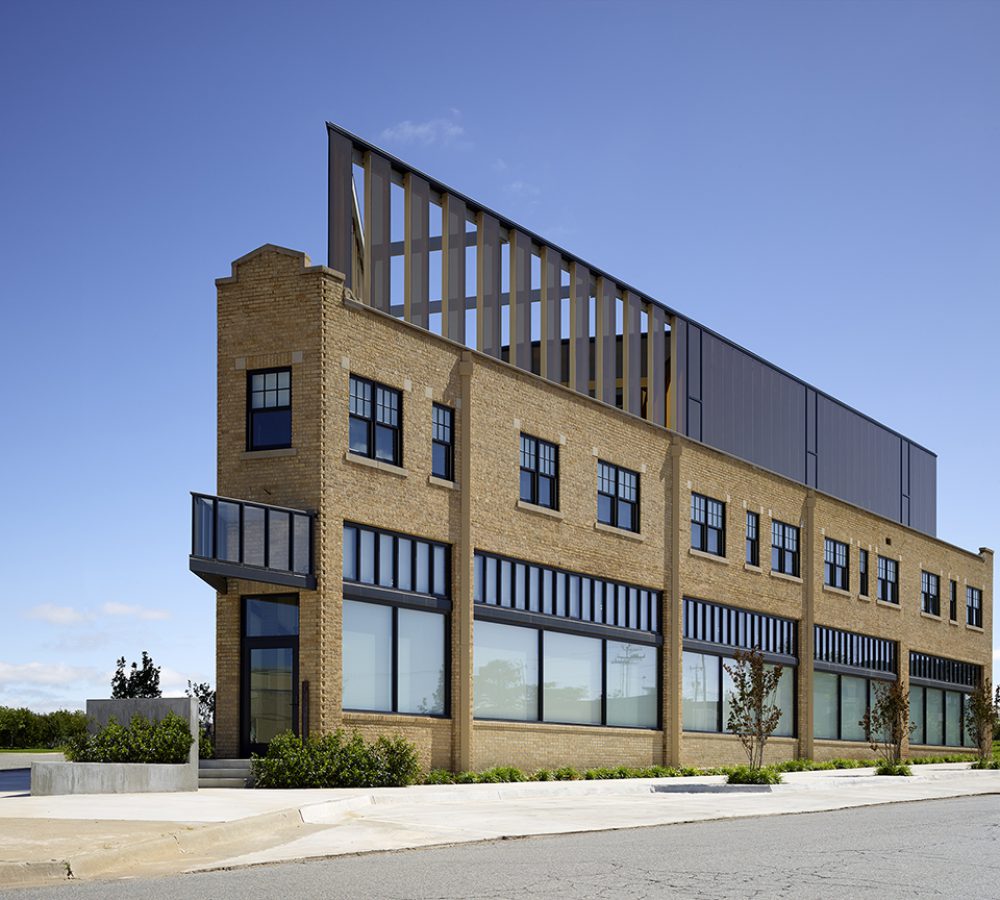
x: 305, y: 263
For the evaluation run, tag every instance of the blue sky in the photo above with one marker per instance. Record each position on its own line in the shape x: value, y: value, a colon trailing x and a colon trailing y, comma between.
x: 817, y: 180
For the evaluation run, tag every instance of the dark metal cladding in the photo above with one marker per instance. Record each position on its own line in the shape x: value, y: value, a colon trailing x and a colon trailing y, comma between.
x: 579, y: 355
x: 454, y: 212
x: 416, y: 255
x: 520, y: 300
x: 923, y: 490
x: 378, y: 189
x: 632, y: 354
x: 488, y: 285
x: 656, y: 356
x: 551, y: 355
x: 604, y: 379
x: 340, y: 252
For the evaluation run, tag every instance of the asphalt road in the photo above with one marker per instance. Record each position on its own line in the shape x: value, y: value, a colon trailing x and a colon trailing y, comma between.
x: 935, y: 848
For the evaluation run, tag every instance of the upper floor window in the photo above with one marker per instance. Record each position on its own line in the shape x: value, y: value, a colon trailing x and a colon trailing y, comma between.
x: 376, y: 421
x: 953, y: 603
x: 753, y: 539
x: 269, y: 409
x: 888, y: 580
x: 863, y: 573
x: 974, y: 607
x: 443, y: 443
x: 835, y: 567
x: 708, y: 525
x: 539, y: 472
x: 784, y: 548
x: 617, y: 496
x: 930, y: 593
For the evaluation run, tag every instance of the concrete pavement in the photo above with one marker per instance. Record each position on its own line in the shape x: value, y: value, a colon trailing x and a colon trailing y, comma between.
x: 44, y: 840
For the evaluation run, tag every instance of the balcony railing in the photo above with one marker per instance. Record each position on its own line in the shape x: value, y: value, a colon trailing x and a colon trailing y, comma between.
x: 256, y: 541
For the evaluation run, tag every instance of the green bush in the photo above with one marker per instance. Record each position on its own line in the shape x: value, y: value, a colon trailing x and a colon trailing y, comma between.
x: 746, y: 775
x: 335, y: 760
x: 990, y: 764
x: 206, y: 746
x: 889, y: 768
x: 439, y: 776
x: 142, y: 741
x: 22, y: 729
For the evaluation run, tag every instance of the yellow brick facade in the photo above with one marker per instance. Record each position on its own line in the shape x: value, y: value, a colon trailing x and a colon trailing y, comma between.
x: 277, y: 310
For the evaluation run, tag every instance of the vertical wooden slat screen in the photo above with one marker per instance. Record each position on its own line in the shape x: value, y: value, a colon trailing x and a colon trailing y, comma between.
x: 604, y: 351
x: 340, y: 229
x: 656, y: 366
x: 520, y: 301
x: 551, y: 349
x: 488, y: 285
x: 415, y: 250
x: 378, y: 176
x: 632, y: 354
x: 579, y: 324
x: 453, y: 268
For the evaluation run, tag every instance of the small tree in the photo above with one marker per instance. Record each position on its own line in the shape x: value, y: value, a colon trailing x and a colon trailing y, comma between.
x: 142, y: 681
x: 206, y: 703
x: 982, y: 716
x: 887, y: 722
x: 753, y: 715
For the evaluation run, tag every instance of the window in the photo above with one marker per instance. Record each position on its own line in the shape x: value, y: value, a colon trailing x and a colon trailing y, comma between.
x: 375, y: 421
x: 840, y: 702
x: 539, y: 472
x: 384, y: 559
x: 930, y: 593
x: 443, y: 443
x: 784, y: 548
x: 888, y: 580
x: 708, y: 525
x: 269, y: 409
x: 863, y: 573
x: 753, y: 539
x: 835, y: 564
x: 617, y: 496
x: 953, y: 604
x: 974, y: 607
x: 939, y: 721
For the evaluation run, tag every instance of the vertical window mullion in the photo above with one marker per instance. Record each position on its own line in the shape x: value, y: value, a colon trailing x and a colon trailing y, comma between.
x: 395, y: 647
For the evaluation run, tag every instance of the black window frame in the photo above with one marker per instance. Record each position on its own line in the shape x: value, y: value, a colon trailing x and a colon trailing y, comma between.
x: 443, y: 436
x: 753, y: 539
x: 888, y: 587
x: 781, y: 553
x: 371, y: 415
x: 836, y: 564
x: 703, y: 508
x: 973, y: 610
x: 618, y: 475
x: 863, y: 572
x: 533, y: 456
x: 253, y: 412
x: 930, y: 593
x: 953, y: 601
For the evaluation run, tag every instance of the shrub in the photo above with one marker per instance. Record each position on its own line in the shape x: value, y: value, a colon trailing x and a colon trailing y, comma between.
x: 753, y: 714
x: 887, y: 721
x: 566, y: 773
x: 982, y: 717
x: 890, y: 768
x: 142, y: 741
x: 746, y: 775
x: 206, y: 746
x: 439, y: 776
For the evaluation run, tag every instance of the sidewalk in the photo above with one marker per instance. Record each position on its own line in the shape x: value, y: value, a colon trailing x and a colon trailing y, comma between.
x: 45, y: 840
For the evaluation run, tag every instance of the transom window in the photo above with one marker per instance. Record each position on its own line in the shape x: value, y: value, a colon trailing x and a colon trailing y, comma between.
x: 375, y: 421
x: 539, y: 472
x: 753, y: 539
x: 835, y: 564
x: 974, y: 607
x: 617, y: 496
x: 269, y: 409
x: 930, y: 593
x: 888, y: 580
x: 443, y: 443
x: 784, y: 548
x: 708, y: 525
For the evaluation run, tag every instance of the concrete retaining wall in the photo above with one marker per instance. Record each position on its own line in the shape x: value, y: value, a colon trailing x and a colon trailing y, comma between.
x: 48, y: 778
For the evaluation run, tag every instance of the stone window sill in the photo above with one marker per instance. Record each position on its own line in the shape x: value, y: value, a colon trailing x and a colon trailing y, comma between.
x: 755, y: 569
x: 379, y: 464
x: 931, y: 616
x: 953, y: 622
x: 711, y: 557
x: 887, y: 605
x: 442, y: 483
x: 864, y: 598
x: 620, y: 532
x: 540, y: 510
x: 973, y: 628
x: 795, y: 579
x: 269, y: 454
x: 840, y: 592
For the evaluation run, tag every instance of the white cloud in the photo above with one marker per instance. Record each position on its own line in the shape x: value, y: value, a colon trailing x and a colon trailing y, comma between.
x: 36, y: 673
x: 522, y: 189
x: 134, y: 612
x: 445, y: 131
x: 55, y: 615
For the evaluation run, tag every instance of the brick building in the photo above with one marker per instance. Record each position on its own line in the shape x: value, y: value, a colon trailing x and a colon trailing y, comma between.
x: 476, y: 491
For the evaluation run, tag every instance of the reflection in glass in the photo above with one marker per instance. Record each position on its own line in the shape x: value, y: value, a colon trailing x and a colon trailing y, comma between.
x: 700, y: 692
x: 367, y: 657
x: 420, y: 661
x: 631, y: 679
x: 917, y: 714
x: 505, y: 666
x: 572, y: 688
x: 853, y: 704
x: 274, y: 617
x: 935, y: 716
x: 253, y: 535
x: 270, y: 693
x: 825, y: 690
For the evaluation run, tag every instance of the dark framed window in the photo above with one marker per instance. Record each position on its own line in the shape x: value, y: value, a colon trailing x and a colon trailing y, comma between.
x: 443, y: 442
x: 617, y: 496
x: 269, y: 409
x: 930, y: 593
x: 784, y: 548
x: 953, y: 603
x: 753, y: 539
x: 863, y: 573
x: 840, y: 701
x: 974, y: 607
x: 539, y: 472
x: 835, y: 564
x: 708, y: 525
x: 376, y: 415
x: 402, y: 562
x: 888, y: 580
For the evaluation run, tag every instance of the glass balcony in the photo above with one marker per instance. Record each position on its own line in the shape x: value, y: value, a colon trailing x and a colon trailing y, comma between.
x: 256, y: 541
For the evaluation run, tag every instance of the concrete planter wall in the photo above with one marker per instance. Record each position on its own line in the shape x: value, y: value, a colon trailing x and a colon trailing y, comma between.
x: 48, y: 778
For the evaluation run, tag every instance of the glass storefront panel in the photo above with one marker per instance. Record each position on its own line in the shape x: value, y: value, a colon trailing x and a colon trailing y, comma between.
x: 420, y: 662
x: 953, y: 719
x: 505, y: 672
x: 825, y: 705
x: 935, y: 716
x: 572, y: 688
x: 632, y: 684
x: 917, y: 714
x: 271, y: 684
x: 700, y: 692
x: 367, y: 656
x: 853, y: 704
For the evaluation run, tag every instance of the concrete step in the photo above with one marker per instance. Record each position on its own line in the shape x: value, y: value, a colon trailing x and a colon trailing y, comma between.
x: 235, y: 772
x: 223, y: 773
x: 213, y: 782
x: 224, y: 764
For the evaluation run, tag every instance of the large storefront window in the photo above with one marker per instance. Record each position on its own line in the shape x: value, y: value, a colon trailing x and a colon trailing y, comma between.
x: 939, y: 692
x: 632, y: 677
x: 505, y: 667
